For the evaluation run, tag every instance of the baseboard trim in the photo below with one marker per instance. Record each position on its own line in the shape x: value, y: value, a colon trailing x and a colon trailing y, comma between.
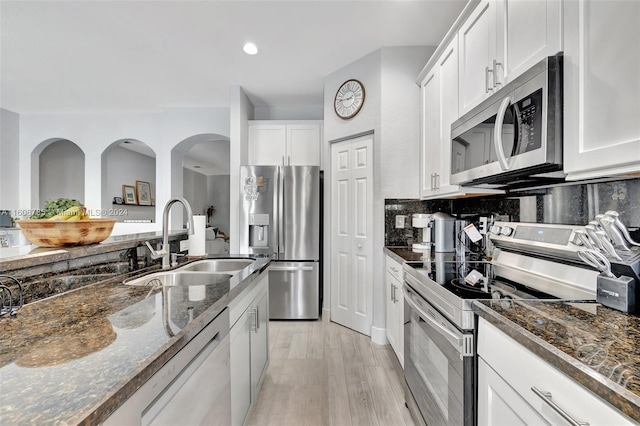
x: 379, y: 335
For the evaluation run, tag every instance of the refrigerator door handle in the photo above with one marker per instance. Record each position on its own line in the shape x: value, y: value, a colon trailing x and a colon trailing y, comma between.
x: 281, y: 213
x: 291, y: 268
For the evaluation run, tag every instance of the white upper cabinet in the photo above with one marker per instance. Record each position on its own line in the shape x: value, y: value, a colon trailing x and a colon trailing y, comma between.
x: 601, y: 88
x: 439, y: 97
x: 430, y: 132
x: 285, y: 143
x: 527, y: 31
x: 500, y: 40
x: 477, y: 51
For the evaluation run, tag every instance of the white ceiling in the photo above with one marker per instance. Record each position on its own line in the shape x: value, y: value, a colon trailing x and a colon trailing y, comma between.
x: 97, y: 56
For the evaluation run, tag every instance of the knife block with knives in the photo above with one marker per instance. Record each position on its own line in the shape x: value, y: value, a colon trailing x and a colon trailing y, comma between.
x: 619, y: 283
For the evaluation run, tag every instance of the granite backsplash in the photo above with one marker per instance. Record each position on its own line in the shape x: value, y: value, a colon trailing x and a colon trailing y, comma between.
x: 567, y: 204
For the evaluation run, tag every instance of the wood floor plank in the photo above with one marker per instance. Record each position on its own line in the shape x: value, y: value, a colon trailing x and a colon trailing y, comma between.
x: 299, y: 345
x: 360, y: 398
x: 339, y: 411
x: 322, y: 373
x: 385, y: 404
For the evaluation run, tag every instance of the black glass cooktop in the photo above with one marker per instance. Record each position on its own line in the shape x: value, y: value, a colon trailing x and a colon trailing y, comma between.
x: 474, y: 279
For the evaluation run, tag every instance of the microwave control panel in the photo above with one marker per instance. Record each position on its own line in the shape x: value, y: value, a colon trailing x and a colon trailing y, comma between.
x: 529, y: 110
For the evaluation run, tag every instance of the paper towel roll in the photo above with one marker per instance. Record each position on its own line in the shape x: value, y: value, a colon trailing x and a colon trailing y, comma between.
x: 197, y: 292
x: 197, y: 240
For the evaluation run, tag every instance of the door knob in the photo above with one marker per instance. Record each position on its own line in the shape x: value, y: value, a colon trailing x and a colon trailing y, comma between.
x: 359, y: 245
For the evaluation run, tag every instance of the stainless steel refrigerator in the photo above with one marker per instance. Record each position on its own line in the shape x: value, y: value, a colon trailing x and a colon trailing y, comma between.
x: 280, y: 219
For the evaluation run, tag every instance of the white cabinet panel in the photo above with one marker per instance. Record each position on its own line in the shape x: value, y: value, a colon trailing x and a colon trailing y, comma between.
x: 477, y: 50
x: 285, y: 143
x: 249, y: 349
x: 601, y: 88
x: 395, y: 307
x: 303, y: 144
x: 267, y: 144
x: 527, y: 31
x: 240, y: 373
x: 499, y: 404
x: 500, y: 40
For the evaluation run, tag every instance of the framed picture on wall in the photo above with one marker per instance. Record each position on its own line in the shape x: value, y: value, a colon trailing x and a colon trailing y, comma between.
x: 144, y: 193
x: 129, y: 194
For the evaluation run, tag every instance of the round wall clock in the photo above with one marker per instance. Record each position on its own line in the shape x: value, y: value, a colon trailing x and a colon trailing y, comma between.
x: 349, y: 99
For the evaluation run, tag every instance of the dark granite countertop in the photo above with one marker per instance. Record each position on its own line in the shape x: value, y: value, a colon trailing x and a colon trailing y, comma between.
x: 75, y: 357
x: 403, y: 254
x: 595, y: 345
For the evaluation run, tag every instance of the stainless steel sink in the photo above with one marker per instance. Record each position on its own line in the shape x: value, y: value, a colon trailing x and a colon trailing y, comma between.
x: 231, y: 266
x: 178, y: 278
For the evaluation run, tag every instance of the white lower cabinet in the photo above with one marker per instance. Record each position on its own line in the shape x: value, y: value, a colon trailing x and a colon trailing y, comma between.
x: 200, y: 368
x: 249, y: 349
x: 516, y: 387
x: 395, y: 307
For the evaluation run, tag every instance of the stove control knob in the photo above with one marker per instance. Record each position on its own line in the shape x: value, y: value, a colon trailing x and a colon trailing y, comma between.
x: 506, y: 231
x: 495, y: 229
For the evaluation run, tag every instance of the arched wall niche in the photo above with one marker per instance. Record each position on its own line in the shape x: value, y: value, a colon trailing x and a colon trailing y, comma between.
x: 124, y: 163
x: 57, y: 171
x: 200, y: 174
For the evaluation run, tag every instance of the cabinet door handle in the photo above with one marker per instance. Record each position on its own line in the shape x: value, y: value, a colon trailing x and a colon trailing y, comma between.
x: 436, y: 180
x: 395, y: 295
x: 257, y: 318
x: 289, y: 160
x: 546, y: 397
x: 283, y: 161
x: 496, y: 64
x: 487, y: 87
x: 254, y: 323
x: 392, y: 288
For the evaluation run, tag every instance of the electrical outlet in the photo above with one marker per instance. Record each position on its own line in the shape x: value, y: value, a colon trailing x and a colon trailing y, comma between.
x: 184, y: 245
x: 482, y: 226
x: 399, y: 221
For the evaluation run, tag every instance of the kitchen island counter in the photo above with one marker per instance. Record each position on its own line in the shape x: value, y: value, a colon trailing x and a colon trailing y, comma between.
x: 594, y: 345
x: 76, y: 357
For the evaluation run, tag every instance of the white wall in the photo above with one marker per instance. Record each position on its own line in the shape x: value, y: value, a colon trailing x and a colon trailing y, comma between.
x: 400, y: 116
x: 315, y: 112
x: 125, y: 167
x: 195, y: 191
x: 242, y: 110
x: 61, y: 172
x: 394, y: 120
x: 219, y: 194
x: 93, y: 133
x: 9, y: 142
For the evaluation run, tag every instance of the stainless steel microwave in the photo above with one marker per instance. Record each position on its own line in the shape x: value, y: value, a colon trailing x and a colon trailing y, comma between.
x: 513, y: 135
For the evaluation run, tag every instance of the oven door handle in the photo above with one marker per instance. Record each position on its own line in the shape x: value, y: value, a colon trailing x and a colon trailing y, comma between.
x: 458, y: 341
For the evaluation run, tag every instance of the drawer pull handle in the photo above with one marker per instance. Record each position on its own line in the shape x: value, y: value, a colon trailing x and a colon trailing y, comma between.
x: 546, y: 397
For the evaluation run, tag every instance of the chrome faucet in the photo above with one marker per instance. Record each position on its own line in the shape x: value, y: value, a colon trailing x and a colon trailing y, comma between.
x: 164, y: 251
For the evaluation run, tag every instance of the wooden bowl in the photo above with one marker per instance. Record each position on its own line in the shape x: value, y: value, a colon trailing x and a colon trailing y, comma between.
x: 59, y: 233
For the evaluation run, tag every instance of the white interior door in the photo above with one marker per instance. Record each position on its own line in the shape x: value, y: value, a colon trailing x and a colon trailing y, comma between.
x: 351, y: 233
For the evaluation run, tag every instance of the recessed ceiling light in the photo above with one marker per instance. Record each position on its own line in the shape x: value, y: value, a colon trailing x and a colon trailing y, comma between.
x: 250, y: 48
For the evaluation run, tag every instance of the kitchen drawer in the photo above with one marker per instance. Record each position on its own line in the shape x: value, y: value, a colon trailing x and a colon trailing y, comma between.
x: 523, y: 371
x: 394, y: 268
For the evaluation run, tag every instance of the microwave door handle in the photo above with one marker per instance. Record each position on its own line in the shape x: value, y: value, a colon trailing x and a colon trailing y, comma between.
x: 497, y: 134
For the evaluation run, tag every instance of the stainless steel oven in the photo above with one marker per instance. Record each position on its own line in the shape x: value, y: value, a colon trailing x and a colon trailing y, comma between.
x: 437, y: 357
x: 529, y: 261
x: 513, y: 134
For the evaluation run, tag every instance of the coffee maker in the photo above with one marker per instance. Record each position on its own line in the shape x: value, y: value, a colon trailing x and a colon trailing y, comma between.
x: 438, y: 232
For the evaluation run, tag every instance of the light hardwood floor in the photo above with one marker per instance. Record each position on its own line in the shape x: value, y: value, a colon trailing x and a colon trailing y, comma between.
x: 321, y: 373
